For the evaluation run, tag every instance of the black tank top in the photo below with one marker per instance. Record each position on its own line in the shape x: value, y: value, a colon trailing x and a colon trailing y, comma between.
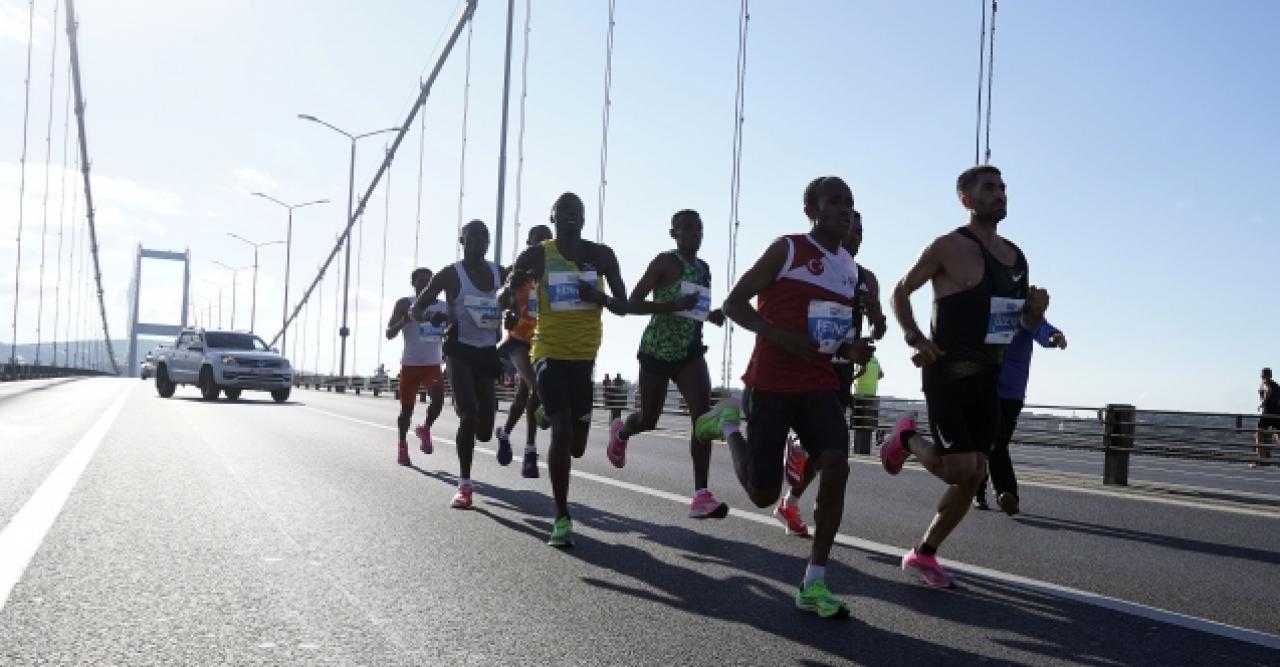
x: 974, y: 326
x: 1272, y: 406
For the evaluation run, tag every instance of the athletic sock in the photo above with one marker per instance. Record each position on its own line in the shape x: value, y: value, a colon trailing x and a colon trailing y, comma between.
x: 791, y: 498
x: 464, y: 481
x: 812, y: 573
x: 698, y: 492
x: 926, y: 550
x: 531, y: 448
x: 729, y: 429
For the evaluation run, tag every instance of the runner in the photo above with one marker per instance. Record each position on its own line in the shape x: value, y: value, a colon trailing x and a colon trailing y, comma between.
x: 471, y: 287
x: 568, y: 272
x: 516, y: 348
x: 419, y: 364
x: 1269, y: 422
x: 798, y: 473
x: 671, y: 350
x: 1013, y: 393
x: 981, y: 296
x: 805, y: 284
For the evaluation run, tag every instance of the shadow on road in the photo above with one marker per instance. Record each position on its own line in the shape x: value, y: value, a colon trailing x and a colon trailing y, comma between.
x: 239, y: 401
x: 1167, y: 541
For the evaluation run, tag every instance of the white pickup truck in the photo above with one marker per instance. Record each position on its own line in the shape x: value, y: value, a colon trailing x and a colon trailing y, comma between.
x: 225, y: 362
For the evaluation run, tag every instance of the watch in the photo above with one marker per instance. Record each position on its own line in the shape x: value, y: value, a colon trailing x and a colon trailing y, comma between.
x: 913, y: 338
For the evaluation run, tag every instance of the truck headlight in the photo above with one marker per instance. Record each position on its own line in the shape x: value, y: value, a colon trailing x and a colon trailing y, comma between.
x: 228, y: 360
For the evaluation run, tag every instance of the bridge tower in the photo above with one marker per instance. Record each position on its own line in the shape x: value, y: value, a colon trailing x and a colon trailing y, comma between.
x: 137, y: 328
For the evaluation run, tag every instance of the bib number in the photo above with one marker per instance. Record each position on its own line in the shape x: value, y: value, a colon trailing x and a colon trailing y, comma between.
x: 1003, y: 321
x: 428, y: 332
x: 484, y: 311
x: 702, y: 310
x: 830, y: 325
x: 562, y: 289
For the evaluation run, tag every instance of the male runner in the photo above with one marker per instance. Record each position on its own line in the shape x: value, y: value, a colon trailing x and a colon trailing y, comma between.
x: 867, y: 305
x: 471, y: 289
x: 671, y: 349
x: 805, y: 285
x: 524, y: 310
x: 419, y: 364
x: 1269, y: 422
x: 1013, y: 393
x: 981, y: 296
x: 565, y: 344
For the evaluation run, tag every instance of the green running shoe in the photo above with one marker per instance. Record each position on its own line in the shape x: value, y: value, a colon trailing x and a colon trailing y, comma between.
x: 540, y: 416
x: 816, y: 598
x: 562, y: 533
x: 710, y: 427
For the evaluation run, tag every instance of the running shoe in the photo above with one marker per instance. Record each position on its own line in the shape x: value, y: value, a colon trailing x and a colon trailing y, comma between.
x: 928, y: 569
x: 705, y: 505
x: 424, y: 435
x: 540, y: 416
x: 403, y: 457
x: 797, y: 460
x: 791, y: 519
x: 818, y: 599
x: 617, y: 450
x: 980, y: 502
x: 562, y: 533
x: 710, y: 427
x: 504, y: 447
x: 894, y: 452
x: 529, y: 469
x: 462, y: 499
x: 1008, y: 502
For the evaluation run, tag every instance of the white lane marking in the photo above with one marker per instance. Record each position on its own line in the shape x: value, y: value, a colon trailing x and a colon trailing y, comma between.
x: 1066, y: 592
x: 25, y: 532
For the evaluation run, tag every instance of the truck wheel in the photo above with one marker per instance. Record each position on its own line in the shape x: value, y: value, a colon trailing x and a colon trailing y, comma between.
x: 208, y: 390
x: 164, y: 386
x: 280, y: 395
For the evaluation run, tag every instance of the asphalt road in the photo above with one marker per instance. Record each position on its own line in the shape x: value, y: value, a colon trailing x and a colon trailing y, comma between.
x: 142, y: 530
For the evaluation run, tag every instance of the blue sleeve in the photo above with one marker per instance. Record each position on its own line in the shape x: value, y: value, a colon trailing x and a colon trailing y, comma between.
x: 1044, y: 332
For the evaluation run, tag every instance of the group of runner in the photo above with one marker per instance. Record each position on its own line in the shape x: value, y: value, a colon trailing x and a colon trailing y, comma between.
x: 810, y: 300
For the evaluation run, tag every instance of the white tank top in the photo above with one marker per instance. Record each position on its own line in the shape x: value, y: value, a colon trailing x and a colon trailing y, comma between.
x: 423, y: 340
x: 475, y: 312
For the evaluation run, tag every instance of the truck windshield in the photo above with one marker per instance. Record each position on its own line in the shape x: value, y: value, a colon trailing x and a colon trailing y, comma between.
x: 235, y: 341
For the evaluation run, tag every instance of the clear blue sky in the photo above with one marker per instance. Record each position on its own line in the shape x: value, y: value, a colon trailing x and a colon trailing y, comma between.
x: 1138, y: 140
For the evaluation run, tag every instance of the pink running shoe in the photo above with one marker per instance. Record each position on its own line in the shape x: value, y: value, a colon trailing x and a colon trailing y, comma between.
x: 617, y: 450
x: 928, y: 568
x: 424, y: 434
x: 462, y: 499
x: 791, y: 519
x: 894, y: 452
x: 403, y: 457
x: 705, y: 505
x: 797, y: 460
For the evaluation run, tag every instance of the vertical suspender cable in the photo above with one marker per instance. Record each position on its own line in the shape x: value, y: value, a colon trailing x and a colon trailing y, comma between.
x: 991, y: 66
x: 604, y: 125
x: 982, y: 52
x: 22, y: 182
x: 462, y: 160
x: 516, y: 245
x: 44, y: 206
x: 422, y: 151
x: 735, y: 186
x: 382, y: 288
x: 62, y: 209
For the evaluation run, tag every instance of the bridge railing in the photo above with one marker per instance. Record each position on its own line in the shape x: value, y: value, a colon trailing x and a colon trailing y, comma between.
x: 13, y: 372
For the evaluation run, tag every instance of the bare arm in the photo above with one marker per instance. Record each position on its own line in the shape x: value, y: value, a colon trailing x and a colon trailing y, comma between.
x: 927, y: 266
x: 663, y: 270
x: 445, y: 280
x: 528, y: 265
x: 617, y: 303
x: 873, y: 308
x: 398, y: 316
x: 737, y: 306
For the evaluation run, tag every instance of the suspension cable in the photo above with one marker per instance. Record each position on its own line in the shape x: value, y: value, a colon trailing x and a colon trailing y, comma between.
x: 982, y: 53
x: 422, y: 151
x: 355, y: 349
x: 44, y: 206
x: 337, y: 312
x: 382, y: 289
x: 62, y: 209
x: 735, y: 186
x: 73, y: 288
x: 524, y: 94
x: 604, y: 125
x: 22, y: 182
x: 462, y: 160
x: 991, y: 65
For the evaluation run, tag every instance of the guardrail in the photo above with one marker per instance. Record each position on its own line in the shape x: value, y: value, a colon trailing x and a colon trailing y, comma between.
x: 1118, y: 431
x: 12, y: 372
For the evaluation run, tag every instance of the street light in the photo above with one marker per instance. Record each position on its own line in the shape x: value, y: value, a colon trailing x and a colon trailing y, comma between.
x: 253, y: 309
x: 351, y: 185
x: 233, y: 271
x: 219, y: 302
x: 288, y: 253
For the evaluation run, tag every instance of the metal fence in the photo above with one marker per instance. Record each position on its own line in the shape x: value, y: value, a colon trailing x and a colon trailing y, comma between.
x: 12, y: 372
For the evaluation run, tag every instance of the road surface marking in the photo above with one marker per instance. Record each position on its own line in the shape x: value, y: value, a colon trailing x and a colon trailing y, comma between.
x: 25, y: 532
x: 1064, y: 592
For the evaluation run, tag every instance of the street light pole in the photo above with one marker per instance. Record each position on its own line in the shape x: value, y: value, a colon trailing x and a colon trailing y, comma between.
x: 233, y: 271
x: 288, y: 259
x: 253, y: 311
x: 344, y: 331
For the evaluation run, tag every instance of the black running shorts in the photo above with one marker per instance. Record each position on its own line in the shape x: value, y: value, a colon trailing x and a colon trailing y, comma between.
x: 964, y: 415
x: 816, y: 417
x: 565, y: 385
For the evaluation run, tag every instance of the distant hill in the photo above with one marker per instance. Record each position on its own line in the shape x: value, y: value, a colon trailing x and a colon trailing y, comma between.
x: 88, y: 348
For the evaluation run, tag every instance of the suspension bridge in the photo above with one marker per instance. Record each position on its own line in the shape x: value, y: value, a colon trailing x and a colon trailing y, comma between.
x: 135, y: 529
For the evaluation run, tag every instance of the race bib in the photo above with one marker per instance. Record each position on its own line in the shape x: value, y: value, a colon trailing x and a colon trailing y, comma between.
x: 703, y: 308
x: 484, y: 311
x: 531, y: 304
x: 829, y: 325
x: 562, y: 289
x: 1003, y: 321
x: 428, y: 332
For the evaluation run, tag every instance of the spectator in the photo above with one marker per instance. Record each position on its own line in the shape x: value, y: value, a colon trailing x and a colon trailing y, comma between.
x: 1269, y: 422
